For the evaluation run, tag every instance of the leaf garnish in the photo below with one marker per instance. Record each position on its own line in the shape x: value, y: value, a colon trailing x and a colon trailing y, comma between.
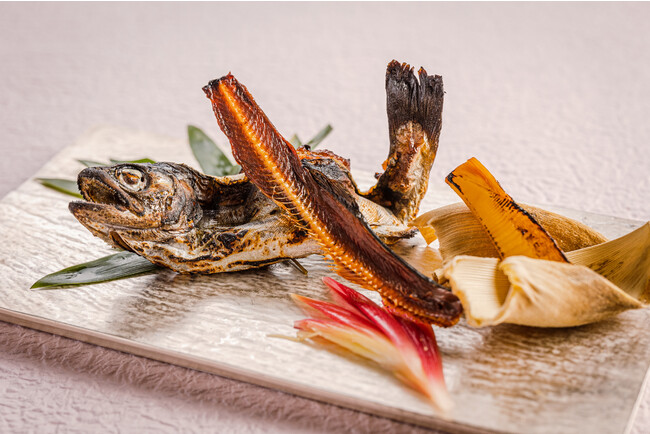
x: 112, y: 267
x: 405, y: 347
x: 295, y: 141
x: 90, y: 163
x: 138, y: 161
x: 319, y: 137
x: 315, y: 141
x: 298, y: 266
x: 65, y: 186
x: 211, y: 159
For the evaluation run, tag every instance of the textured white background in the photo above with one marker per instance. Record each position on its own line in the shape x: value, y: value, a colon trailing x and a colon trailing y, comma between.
x: 553, y: 98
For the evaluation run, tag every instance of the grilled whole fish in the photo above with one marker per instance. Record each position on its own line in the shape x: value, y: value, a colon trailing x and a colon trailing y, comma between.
x: 182, y: 219
x: 190, y: 222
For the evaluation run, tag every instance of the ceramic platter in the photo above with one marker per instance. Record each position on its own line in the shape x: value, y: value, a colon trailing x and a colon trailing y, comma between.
x: 503, y: 379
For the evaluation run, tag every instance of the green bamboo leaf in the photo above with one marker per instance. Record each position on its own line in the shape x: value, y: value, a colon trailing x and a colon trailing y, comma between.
x: 66, y: 186
x: 315, y: 141
x: 138, y: 161
x: 212, y: 160
x: 112, y: 267
x: 90, y: 163
x: 295, y: 141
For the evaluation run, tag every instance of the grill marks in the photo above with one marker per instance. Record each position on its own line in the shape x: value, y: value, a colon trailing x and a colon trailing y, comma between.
x: 325, y: 208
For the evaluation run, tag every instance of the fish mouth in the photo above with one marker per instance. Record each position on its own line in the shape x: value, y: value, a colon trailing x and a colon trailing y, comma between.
x: 98, y: 186
x: 106, y: 202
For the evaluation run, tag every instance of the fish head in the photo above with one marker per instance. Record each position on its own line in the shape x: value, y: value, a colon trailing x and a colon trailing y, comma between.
x: 141, y: 200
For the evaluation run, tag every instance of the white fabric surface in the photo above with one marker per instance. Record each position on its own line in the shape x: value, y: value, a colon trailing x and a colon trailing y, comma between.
x: 552, y: 98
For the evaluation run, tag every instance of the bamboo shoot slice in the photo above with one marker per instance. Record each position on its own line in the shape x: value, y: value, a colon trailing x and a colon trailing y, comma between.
x: 460, y: 233
x: 533, y: 292
x: 512, y: 230
x: 624, y: 261
x: 601, y: 282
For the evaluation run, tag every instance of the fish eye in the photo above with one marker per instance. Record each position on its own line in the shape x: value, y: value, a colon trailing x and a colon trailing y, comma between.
x: 131, y: 179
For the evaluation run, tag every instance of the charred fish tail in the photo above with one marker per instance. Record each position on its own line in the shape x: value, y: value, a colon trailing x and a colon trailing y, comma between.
x: 414, y: 122
x: 325, y: 208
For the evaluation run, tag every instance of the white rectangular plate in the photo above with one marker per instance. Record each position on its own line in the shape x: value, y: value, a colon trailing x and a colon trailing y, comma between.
x: 505, y: 378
